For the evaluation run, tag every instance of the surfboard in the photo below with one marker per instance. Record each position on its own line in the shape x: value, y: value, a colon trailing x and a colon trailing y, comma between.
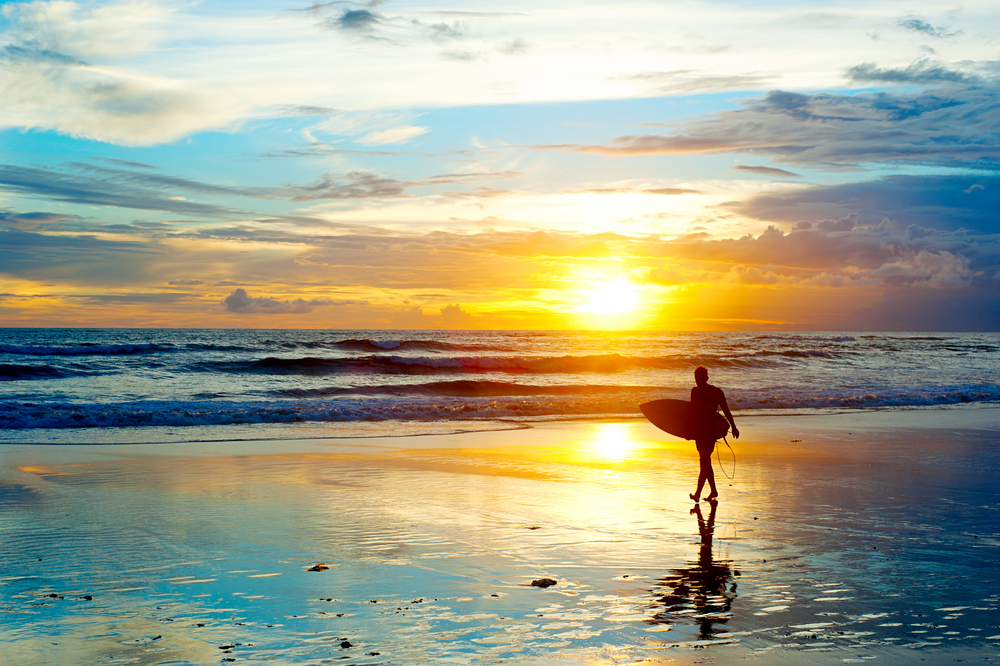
x: 674, y: 417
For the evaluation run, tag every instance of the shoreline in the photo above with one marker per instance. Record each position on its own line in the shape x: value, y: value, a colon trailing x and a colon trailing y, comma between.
x: 868, y: 538
x: 421, y: 428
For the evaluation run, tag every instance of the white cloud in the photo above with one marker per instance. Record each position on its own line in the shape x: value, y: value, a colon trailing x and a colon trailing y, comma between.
x: 393, y: 135
x: 154, y: 71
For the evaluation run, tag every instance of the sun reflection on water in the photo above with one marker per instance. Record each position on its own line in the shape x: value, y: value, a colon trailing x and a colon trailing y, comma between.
x: 612, y: 442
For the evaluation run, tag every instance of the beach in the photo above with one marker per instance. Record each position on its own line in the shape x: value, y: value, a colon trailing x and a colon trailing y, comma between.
x: 853, y: 536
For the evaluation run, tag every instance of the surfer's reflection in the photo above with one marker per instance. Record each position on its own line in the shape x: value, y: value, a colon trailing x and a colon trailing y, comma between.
x: 703, y: 592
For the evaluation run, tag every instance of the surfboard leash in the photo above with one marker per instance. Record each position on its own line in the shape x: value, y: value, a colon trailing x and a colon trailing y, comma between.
x: 719, y: 456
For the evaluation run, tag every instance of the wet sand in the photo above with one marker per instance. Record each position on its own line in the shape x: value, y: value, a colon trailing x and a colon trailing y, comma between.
x: 874, y: 538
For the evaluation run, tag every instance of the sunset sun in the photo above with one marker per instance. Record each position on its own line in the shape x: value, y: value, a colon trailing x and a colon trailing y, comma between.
x: 610, y: 298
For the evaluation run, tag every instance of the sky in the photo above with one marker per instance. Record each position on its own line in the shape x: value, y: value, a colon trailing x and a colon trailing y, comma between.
x: 660, y: 165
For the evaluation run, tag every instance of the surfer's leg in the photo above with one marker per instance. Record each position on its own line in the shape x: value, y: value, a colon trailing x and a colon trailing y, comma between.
x: 710, y: 475
x: 705, y: 463
x: 707, y: 472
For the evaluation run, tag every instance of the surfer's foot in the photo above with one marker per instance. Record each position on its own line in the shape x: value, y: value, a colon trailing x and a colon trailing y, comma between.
x: 694, y: 497
x: 712, y: 498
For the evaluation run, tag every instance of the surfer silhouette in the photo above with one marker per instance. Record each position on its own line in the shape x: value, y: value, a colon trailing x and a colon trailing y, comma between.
x: 706, y: 400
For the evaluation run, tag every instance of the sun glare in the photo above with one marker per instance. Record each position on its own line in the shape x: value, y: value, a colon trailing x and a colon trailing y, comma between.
x: 611, y: 298
x: 612, y: 442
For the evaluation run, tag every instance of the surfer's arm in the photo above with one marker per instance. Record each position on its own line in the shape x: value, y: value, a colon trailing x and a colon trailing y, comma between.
x: 729, y: 414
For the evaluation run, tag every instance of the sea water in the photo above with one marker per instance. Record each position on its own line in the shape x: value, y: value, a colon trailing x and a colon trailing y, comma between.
x: 93, y: 385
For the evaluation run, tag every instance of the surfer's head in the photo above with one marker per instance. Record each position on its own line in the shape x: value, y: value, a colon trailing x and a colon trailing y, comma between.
x: 701, y: 375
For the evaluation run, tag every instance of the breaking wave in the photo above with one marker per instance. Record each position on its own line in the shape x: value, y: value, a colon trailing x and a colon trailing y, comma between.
x: 12, y: 372
x: 417, y: 365
x: 84, y: 350
x: 610, y: 400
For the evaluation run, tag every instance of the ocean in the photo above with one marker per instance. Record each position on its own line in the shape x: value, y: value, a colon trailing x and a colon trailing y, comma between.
x: 134, y: 385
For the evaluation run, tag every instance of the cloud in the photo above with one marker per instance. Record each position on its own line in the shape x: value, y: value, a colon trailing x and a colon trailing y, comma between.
x: 62, y: 73
x: 355, y: 19
x: 132, y: 298
x: 353, y: 185
x: 393, y: 135
x: 76, y: 259
x: 933, y: 269
x: 31, y: 53
x: 91, y: 185
x: 242, y: 303
x: 684, y: 81
x: 949, y: 128
x: 514, y: 47
x: 95, y: 185
x: 767, y: 171
x: 672, y: 191
x: 38, y: 220
x: 464, y: 55
x: 917, y: 24
x: 664, y: 191
x: 939, y: 202
x: 920, y: 71
x: 753, y: 275
x: 443, y: 31
x: 450, y: 317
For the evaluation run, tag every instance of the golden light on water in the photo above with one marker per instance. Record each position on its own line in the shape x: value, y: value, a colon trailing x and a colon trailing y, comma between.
x: 612, y: 442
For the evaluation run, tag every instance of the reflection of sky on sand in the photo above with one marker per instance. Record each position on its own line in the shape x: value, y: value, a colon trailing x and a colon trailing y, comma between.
x: 431, y: 551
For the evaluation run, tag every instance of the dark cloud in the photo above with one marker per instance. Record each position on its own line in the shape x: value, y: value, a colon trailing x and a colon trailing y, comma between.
x: 917, y: 24
x: 172, y: 297
x: 767, y: 171
x: 76, y: 259
x: 356, y: 19
x: 920, y: 71
x: 910, y: 308
x: 97, y: 186
x: 242, y: 303
x: 129, y: 163
x: 37, y: 220
x: 956, y: 127
x: 353, y: 185
x: 946, y: 203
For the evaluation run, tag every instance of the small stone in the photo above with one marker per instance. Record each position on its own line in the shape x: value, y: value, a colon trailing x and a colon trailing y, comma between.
x: 346, y: 644
x: 544, y: 582
x: 318, y: 567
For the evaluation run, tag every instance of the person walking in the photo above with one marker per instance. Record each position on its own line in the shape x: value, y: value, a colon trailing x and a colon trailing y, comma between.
x: 706, y: 400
